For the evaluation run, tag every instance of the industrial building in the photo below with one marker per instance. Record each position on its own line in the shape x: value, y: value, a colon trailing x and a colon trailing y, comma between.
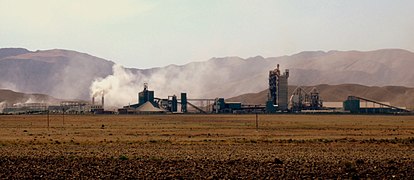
x: 96, y: 108
x: 26, y: 108
x: 67, y: 107
x: 278, y: 91
x: 300, y: 101
x: 148, y: 104
x: 353, y: 105
x: 221, y: 106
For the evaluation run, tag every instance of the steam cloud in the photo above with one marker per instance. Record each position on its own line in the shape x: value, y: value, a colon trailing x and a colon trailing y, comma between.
x: 2, y: 106
x: 33, y: 100
x: 9, y: 85
x: 119, y: 88
x: 122, y: 87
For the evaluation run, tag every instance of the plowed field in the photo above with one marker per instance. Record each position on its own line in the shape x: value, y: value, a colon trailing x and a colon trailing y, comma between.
x: 206, y: 147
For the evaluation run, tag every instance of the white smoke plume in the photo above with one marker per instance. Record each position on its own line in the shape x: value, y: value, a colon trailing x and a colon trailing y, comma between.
x: 119, y: 89
x: 32, y: 100
x: 207, y: 80
x: 122, y: 87
x: 2, y: 106
x: 9, y: 86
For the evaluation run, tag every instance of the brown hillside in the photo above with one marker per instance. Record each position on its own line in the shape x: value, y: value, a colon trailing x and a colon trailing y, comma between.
x: 69, y: 74
x: 59, y: 73
x: 11, y: 97
x: 396, y: 95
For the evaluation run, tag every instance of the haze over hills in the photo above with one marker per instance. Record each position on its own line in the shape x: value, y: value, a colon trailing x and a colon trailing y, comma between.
x: 8, y: 97
x: 60, y: 73
x: 70, y: 75
x: 395, y: 95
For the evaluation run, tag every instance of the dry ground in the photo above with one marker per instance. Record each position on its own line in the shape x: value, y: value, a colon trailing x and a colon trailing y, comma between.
x: 207, y: 146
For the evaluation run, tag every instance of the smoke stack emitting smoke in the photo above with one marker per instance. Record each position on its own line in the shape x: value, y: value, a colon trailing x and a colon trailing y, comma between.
x: 119, y: 88
x: 2, y: 106
x: 103, y: 99
x: 122, y: 87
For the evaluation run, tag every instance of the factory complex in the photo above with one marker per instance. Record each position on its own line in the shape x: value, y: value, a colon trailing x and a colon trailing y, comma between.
x: 278, y: 101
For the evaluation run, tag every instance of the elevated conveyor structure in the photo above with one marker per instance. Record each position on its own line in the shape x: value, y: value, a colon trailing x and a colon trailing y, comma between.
x: 398, y: 109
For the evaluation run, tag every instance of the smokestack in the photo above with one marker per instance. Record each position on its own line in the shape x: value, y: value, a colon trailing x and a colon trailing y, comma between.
x: 93, y: 100
x: 103, y: 100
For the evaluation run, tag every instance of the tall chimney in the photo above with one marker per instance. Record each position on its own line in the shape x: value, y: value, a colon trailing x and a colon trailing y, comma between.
x: 93, y: 100
x: 103, y: 100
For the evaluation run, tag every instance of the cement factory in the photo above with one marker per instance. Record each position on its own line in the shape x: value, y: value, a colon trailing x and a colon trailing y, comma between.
x: 278, y: 101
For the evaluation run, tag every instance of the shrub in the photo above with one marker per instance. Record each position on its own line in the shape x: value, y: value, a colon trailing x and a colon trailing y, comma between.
x: 123, y: 157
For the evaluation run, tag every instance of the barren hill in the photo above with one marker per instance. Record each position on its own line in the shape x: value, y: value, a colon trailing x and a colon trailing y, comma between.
x: 7, y: 52
x: 11, y: 97
x: 60, y: 73
x: 69, y: 74
x: 232, y: 76
x: 396, y: 95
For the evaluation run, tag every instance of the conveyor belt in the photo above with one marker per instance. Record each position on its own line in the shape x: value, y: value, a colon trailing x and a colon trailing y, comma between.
x: 376, y: 102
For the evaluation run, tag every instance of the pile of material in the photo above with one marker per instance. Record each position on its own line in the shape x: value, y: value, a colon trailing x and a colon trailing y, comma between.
x: 148, y: 107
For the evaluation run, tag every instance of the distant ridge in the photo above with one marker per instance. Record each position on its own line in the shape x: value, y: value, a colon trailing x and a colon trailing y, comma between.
x: 7, y: 52
x: 69, y: 74
x: 59, y: 73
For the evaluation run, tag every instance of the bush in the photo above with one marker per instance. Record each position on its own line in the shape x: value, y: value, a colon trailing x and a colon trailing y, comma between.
x: 123, y: 157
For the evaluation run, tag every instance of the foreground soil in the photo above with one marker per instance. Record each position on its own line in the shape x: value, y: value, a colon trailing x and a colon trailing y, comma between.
x: 207, y: 147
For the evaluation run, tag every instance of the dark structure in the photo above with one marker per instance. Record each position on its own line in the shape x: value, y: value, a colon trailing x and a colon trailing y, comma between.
x: 148, y: 104
x: 170, y: 104
x: 184, y: 102
x: 302, y: 100
x: 270, y: 107
x: 352, y: 105
x: 221, y: 106
x: 278, y: 90
x: 146, y: 95
x: 174, y: 104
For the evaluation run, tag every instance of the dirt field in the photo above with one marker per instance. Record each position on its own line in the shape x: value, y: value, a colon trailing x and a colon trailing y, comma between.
x: 207, y: 146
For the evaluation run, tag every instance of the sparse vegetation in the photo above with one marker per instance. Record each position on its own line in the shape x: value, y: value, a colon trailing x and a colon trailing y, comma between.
x: 208, y: 146
x: 123, y: 157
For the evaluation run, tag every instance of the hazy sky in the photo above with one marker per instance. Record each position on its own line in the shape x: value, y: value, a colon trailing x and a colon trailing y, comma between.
x: 149, y: 33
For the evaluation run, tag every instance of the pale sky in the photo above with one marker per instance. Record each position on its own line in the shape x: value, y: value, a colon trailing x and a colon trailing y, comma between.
x: 152, y: 33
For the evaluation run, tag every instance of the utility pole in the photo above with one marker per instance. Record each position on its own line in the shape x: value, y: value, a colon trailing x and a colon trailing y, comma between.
x: 63, y: 117
x: 48, y: 120
x: 257, y: 122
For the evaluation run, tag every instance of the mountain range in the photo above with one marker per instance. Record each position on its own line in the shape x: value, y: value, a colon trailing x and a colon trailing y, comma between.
x: 68, y: 74
x: 59, y: 73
